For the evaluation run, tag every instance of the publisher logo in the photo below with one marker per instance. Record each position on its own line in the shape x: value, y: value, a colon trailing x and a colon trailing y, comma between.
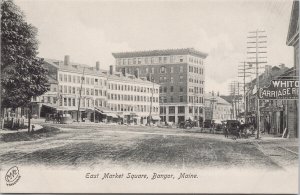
x: 12, y: 176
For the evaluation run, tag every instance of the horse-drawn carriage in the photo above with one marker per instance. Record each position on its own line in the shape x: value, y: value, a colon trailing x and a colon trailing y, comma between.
x: 236, y: 129
x: 188, y: 124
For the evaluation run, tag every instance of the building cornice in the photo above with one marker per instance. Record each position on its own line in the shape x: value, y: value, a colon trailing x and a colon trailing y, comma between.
x: 166, y: 52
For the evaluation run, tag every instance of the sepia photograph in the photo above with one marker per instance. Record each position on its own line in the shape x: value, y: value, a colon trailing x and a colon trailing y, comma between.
x: 149, y: 96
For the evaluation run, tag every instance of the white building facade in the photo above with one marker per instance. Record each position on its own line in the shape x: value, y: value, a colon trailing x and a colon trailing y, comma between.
x: 102, y: 94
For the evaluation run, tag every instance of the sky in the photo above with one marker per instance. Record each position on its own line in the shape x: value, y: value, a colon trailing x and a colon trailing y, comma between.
x: 91, y: 30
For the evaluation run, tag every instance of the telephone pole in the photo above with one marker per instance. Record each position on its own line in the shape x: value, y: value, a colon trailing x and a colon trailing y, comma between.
x: 243, y: 72
x: 256, y: 49
x: 234, y: 92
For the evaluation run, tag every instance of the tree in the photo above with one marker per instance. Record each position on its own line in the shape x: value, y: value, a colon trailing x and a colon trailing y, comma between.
x: 22, y: 73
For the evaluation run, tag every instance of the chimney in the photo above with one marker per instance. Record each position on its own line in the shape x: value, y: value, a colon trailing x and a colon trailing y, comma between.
x: 97, y: 65
x: 67, y: 60
x: 111, y: 69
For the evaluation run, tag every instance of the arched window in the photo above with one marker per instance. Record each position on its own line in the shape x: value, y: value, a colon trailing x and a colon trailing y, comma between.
x: 162, y: 69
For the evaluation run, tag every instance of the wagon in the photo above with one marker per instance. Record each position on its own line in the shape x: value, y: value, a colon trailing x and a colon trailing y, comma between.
x: 233, y: 128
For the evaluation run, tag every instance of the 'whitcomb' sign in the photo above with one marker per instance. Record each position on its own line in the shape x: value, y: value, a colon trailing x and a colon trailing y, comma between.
x: 280, y: 89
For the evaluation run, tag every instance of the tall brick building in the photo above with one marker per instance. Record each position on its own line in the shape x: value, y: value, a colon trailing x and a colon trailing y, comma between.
x: 180, y: 73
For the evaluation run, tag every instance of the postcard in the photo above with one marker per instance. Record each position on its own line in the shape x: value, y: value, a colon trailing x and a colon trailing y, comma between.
x: 149, y: 96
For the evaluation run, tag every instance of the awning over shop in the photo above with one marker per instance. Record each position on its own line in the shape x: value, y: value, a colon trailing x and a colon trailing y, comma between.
x: 101, y: 109
x: 156, y: 118
x: 111, y: 115
x: 120, y: 115
x: 218, y: 121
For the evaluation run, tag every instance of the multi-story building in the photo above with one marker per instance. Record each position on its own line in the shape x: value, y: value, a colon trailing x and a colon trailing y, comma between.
x: 271, y: 111
x: 180, y: 73
x: 102, y: 95
x: 134, y: 98
x: 216, y: 108
x: 293, y: 40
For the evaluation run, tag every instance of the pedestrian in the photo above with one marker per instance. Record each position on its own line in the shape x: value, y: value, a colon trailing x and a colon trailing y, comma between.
x: 268, y: 127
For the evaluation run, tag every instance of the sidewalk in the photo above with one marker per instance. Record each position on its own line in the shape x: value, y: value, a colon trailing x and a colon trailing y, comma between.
x: 5, y: 131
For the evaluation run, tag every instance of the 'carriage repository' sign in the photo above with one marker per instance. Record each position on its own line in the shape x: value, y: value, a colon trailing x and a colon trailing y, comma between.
x: 280, y: 89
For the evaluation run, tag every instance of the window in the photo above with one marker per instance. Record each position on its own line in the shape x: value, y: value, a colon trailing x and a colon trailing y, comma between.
x: 180, y: 109
x: 165, y: 79
x: 152, y: 70
x: 60, y: 77
x: 139, y: 60
x: 65, y: 78
x: 181, y: 88
x: 181, y: 69
x: 65, y: 89
x: 171, y: 59
x: 171, y: 89
x: 172, y: 110
x: 181, y: 78
x: 180, y: 98
x: 160, y: 59
x: 147, y: 70
x: 162, y: 110
x: 162, y: 69
x: 180, y: 59
x: 69, y: 78
x: 190, y: 109
x: 165, y: 59
x: 134, y: 60
x: 172, y: 70
x: 152, y: 60
x: 171, y: 99
x: 161, y: 79
x: 200, y: 110
x: 165, y: 89
x: 171, y: 79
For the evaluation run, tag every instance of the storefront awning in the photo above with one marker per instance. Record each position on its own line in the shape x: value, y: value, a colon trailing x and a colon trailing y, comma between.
x: 156, y: 118
x: 111, y: 115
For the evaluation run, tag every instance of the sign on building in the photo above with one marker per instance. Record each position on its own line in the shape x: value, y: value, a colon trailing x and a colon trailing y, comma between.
x: 280, y: 89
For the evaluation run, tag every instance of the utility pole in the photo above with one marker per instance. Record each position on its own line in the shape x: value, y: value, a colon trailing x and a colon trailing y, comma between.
x: 234, y: 92
x: 80, y: 91
x: 256, y: 48
x: 243, y: 71
x: 1, y: 120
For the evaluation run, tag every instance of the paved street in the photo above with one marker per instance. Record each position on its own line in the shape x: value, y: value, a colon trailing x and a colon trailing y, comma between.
x: 92, y: 145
